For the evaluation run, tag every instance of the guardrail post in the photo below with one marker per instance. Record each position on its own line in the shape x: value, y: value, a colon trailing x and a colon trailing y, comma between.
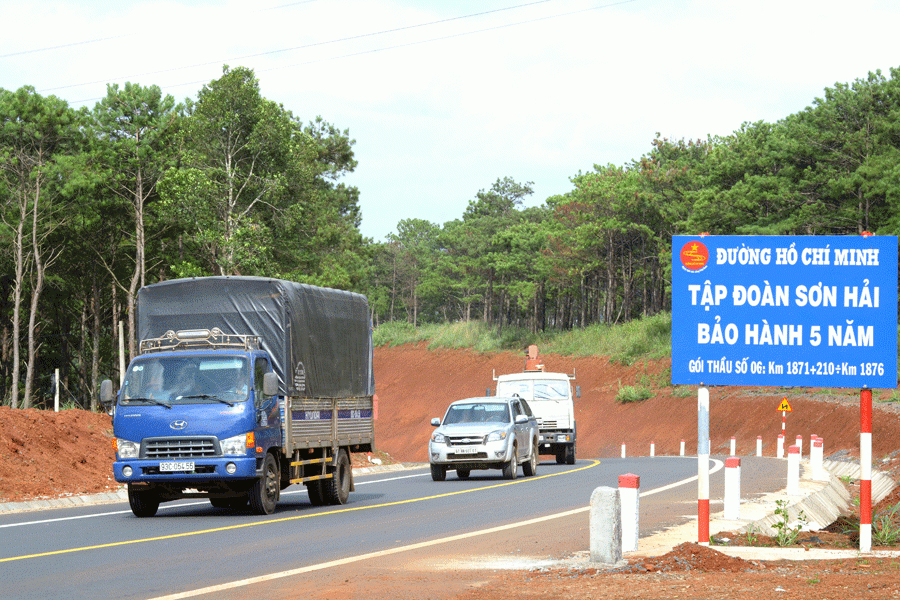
x: 606, y: 526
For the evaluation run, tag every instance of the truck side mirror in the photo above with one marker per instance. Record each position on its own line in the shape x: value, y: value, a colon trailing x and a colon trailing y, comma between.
x: 578, y: 391
x: 270, y: 384
x: 106, y: 395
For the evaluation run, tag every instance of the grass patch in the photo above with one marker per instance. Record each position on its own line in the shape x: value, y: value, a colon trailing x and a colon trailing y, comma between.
x: 633, y: 393
x: 646, y: 338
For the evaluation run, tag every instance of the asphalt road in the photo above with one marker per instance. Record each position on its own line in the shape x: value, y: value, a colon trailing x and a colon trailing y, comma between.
x: 103, y: 551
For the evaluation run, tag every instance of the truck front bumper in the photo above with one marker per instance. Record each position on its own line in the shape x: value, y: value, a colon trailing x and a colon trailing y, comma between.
x: 224, y: 468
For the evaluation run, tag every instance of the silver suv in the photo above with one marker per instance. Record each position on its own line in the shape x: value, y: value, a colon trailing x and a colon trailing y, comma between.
x: 484, y: 433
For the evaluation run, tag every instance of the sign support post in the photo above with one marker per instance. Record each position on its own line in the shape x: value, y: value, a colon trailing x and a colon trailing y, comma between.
x: 865, y: 467
x: 703, y: 465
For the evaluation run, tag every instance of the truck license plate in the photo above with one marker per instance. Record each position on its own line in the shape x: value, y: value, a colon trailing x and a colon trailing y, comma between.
x: 168, y: 467
x: 465, y: 450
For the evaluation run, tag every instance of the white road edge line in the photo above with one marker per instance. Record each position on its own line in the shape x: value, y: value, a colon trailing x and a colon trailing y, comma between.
x: 352, y: 559
x: 180, y: 505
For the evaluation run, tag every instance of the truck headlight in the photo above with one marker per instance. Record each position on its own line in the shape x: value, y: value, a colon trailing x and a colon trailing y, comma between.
x: 496, y: 436
x: 127, y: 449
x: 438, y: 438
x: 234, y: 446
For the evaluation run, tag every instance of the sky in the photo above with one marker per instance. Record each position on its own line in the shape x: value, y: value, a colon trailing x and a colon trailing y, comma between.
x: 445, y: 97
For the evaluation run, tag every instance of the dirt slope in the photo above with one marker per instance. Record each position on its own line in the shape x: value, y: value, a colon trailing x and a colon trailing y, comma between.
x: 47, y: 454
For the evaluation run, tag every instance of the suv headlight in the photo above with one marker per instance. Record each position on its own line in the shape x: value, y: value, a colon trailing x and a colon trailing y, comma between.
x: 128, y: 449
x: 234, y: 446
x: 438, y: 438
x: 496, y: 436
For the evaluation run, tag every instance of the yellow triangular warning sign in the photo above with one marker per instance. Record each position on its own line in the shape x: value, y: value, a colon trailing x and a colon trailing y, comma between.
x: 785, y: 406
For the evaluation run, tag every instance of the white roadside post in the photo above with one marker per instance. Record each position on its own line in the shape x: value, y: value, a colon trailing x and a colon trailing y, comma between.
x: 817, y: 461
x: 780, y: 450
x: 623, y: 449
x: 800, y: 445
x: 652, y: 449
x: 759, y: 445
x: 793, y: 472
x: 732, y: 497
x: 629, y: 497
x: 733, y: 446
x: 606, y: 526
x: 682, y: 448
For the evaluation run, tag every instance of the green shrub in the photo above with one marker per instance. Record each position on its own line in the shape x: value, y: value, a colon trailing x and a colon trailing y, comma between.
x: 633, y: 393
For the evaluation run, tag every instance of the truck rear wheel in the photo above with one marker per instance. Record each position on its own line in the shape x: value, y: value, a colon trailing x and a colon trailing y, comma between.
x: 337, y: 489
x: 316, y: 492
x: 264, y: 493
x: 144, y: 503
x: 570, y: 454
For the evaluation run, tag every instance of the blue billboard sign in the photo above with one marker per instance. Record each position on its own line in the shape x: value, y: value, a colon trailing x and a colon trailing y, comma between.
x: 816, y: 311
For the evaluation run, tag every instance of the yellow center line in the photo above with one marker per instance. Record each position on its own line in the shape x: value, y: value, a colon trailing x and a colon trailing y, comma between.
x: 173, y: 536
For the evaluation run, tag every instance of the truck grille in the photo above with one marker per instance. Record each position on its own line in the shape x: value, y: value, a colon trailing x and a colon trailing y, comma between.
x: 162, y: 448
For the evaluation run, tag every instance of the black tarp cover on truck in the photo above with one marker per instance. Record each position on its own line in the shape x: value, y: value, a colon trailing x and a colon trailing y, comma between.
x: 320, y: 339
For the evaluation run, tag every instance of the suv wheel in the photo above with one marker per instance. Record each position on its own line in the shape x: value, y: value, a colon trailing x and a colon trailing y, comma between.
x: 510, y: 468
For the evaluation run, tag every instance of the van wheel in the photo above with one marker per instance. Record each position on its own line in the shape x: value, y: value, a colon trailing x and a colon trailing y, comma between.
x: 264, y: 493
x: 337, y: 489
x: 144, y: 503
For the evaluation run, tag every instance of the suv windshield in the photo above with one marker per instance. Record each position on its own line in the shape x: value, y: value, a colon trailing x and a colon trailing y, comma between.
x: 477, y: 413
x: 167, y: 380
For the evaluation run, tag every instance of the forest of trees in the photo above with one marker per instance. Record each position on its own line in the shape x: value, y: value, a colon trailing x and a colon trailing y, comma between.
x: 95, y: 203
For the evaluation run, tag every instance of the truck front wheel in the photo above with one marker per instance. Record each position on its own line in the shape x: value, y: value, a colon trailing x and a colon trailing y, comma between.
x: 337, y: 489
x: 144, y: 503
x: 264, y: 493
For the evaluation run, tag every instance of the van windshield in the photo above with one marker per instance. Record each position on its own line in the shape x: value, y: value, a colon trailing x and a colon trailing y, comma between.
x: 170, y: 380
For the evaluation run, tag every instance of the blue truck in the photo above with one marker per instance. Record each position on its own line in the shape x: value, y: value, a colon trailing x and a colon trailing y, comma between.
x: 242, y: 387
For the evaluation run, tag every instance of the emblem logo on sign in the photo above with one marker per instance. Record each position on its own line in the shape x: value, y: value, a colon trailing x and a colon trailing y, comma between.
x: 694, y: 256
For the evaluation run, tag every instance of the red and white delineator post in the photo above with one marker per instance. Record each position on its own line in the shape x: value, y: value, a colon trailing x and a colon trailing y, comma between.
x: 865, y: 467
x: 629, y: 498
x: 732, y: 498
x: 780, y: 451
x: 793, y: 472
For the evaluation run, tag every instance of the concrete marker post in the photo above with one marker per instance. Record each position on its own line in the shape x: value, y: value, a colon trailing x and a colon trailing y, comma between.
x: 629, y: 497
x: 865, y: 468
x: 732, y: 498
x: 623, y: 449
x: 682, y: 448
x: 606, y: 526
x: 703, y: 465
x: 732, y: 452
x: 759, y: 445
x: 800, y: 445
x: 817, y: 460
x: 780, y: 451
x: 793, y: 472
x: 652, y: 449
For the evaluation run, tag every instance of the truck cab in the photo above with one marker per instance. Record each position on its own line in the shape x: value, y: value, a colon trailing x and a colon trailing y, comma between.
x: 551, y: 398
x: 193, y: 417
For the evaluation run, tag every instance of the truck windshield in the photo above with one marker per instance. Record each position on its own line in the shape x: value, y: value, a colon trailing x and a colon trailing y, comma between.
x: 168, y: 380
x: 534, y: 389
x: 477, y: 413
